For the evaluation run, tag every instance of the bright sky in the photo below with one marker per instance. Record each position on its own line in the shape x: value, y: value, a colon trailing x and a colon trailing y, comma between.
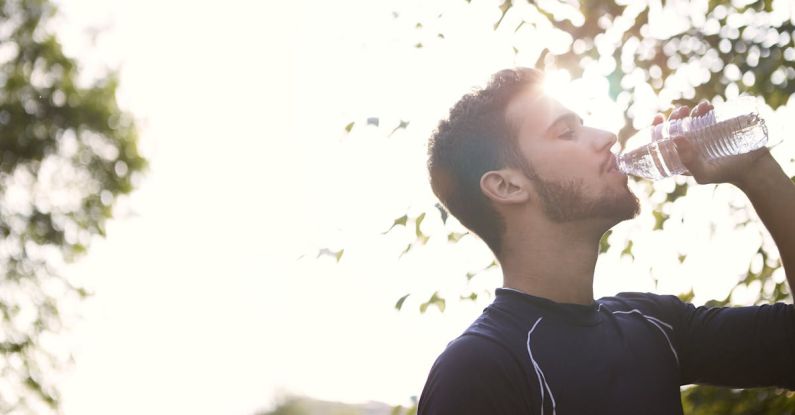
x: 201, y: 302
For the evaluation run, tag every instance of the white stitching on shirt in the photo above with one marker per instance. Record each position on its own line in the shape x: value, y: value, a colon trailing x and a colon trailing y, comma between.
x: 535, y: 366
x: 655, y: 322
x: 542, y: 380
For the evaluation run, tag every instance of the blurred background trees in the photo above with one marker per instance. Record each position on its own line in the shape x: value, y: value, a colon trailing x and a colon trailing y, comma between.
x: 295, y: 405
x: 67, y: 153
x: 653, y: 55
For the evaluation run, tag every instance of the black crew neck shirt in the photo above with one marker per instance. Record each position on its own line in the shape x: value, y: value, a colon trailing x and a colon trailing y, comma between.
x: 627, y: 354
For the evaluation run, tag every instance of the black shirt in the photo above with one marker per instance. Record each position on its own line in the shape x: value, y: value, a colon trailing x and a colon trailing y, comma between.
x: 626, y: 354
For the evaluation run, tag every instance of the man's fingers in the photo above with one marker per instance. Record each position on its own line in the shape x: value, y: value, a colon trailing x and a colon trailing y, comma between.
x: 680, y: 112
x: 702, y: 108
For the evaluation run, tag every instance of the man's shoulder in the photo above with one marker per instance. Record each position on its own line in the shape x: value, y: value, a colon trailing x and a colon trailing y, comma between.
x: 474, y: 356
x: 474, y: 375
x: 472, y: 346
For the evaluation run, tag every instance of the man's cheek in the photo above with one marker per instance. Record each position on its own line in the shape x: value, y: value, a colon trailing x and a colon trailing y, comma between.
x: 558, y: 168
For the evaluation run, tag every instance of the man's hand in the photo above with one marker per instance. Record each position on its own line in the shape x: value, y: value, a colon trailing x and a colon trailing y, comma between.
x: 737, y: 170
x: 759, y: 176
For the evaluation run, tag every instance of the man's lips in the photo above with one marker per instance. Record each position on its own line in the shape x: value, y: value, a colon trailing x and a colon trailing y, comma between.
x: 610, y: 164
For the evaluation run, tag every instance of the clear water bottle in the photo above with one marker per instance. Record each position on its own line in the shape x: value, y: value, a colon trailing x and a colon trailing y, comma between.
x: 729, y: 129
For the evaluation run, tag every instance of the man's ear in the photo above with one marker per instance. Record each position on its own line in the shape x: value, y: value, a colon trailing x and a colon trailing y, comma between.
x: 506, y: 186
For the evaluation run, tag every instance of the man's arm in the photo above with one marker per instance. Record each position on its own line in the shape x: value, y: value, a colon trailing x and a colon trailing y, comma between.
x: 772, y: 194
x: 742, y: 346
x: 760, y: 177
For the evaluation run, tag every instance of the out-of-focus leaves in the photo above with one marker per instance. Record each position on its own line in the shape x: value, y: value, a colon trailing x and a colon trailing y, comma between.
x: 349, y: 126
x: 455, y: 236
x: 504, y: 7
x: 401, y: 221
x: 704, y: 400
x: 473, y: 274
x: 61, y: 137
x: 473, y: 296
x: 442, y: 211
x: 604, y: 245
x: 402, y: 124
x: 301, y: 405
x: 337, y: 255
x: 400, y: 301
x: 406, y: 250
x: 422, y: 238
x: 719, y: 302
x: 436, y: 301
x: 659, y: 219
x: 679, y: 190
x: 781, y: 292
x: 628, y: 250
x: 411, y: 410
x: 614, y: 82
x: 688, y: 296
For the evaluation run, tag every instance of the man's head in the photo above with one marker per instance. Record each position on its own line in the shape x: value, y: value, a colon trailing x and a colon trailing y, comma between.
x: 509, y: 147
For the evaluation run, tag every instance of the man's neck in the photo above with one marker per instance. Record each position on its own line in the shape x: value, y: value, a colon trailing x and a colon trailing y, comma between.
x: 553, y: 261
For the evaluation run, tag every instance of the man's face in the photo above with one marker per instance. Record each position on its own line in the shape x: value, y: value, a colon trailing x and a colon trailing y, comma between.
x: 574, y: 172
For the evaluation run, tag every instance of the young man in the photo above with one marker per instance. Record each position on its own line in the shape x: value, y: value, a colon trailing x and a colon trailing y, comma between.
x: 521, y: 171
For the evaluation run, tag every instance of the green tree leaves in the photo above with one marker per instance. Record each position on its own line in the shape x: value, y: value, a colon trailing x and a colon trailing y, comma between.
x: 67, y: 152
x: 436, y: 301
x: 400, y: 301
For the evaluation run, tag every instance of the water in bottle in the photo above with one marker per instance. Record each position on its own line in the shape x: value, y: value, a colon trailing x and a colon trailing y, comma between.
x: 729, y: 129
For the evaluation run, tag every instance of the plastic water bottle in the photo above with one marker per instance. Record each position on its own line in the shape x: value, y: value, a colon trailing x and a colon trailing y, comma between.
x: 729, y: 129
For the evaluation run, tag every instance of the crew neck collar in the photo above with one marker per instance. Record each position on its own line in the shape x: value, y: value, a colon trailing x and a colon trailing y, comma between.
x: 578, y: 314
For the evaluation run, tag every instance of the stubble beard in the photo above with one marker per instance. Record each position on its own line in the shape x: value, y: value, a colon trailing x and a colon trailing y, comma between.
x: 566, y: 201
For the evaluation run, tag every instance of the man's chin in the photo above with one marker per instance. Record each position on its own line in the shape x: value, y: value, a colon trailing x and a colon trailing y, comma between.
x: 627, y: 206
x: 618, y: 208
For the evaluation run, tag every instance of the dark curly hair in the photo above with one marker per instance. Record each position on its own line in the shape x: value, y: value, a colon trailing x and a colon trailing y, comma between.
x: 474, y: 139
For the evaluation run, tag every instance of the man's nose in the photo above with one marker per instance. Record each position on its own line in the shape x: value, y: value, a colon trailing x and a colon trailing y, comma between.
x: 604, y: 140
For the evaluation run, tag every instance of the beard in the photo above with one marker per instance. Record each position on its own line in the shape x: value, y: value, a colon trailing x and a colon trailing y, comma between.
x: 566, y: 202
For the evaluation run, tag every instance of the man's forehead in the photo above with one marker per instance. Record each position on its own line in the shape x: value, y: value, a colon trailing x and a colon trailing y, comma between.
x: 532, y: 111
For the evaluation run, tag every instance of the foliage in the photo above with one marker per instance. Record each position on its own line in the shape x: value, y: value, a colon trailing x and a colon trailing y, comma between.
x: 295, y: 405
x: 716, y: 400
x: 67, y: 152
x: 289, y: 407
x: 677, y: 52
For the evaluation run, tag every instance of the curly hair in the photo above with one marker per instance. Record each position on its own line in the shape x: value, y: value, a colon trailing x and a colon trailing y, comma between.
x: 474, y: 139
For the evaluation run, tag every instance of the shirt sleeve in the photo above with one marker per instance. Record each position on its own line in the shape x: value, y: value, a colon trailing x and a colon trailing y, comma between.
x: 475, y: 375
x: 738, y: 347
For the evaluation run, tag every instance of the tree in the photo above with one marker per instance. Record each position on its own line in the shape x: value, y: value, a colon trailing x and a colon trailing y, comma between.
x: 67, y: 152
x: 296, y: 405
x: 675, y: 53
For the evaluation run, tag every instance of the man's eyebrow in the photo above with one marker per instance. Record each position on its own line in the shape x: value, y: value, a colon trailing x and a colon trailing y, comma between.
x: 566, y: 116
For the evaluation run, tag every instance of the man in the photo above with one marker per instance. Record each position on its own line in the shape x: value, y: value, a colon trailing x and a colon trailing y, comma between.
x: 521, y: 171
